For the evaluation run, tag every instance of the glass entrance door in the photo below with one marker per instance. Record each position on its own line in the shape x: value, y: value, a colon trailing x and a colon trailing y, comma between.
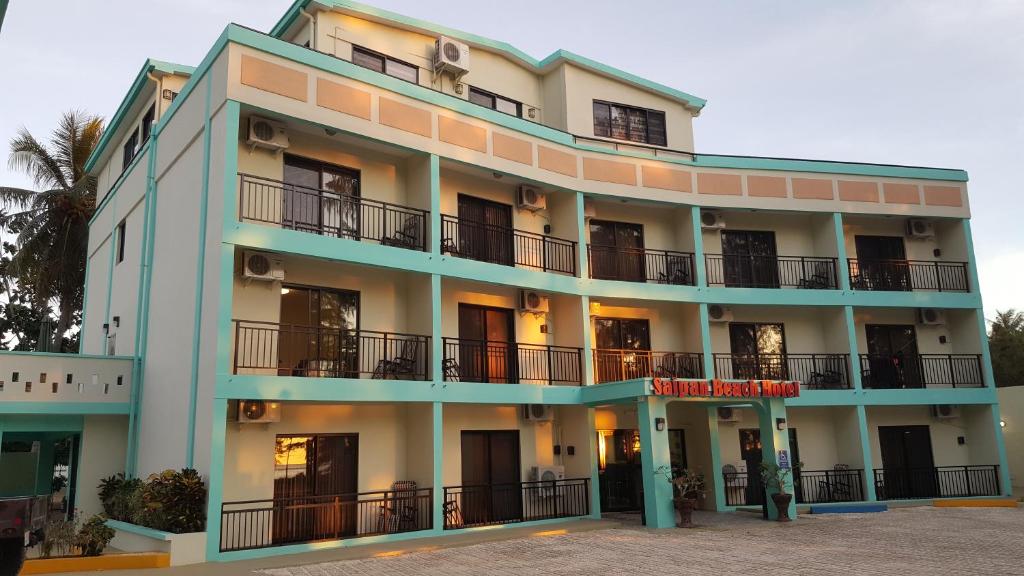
x: 491, y: 481
x: 486, y: 344
x: 321, y: 198
x: 908, y: 466
x: 749, y: 259
x: 485, y: 230
x: 617, y: 251
x: 315, y: 486
x: 624, y: 347
x: 882, y: 264
x: 758, y: 351
x: 318, y: 332
x: 892, y: 357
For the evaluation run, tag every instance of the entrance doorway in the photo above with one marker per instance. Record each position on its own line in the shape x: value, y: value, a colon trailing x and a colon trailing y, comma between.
x: 491, y: 477
x: 623, y: 349
x: 750, y: 453
x: 319, y: 332
x: 892, y: 357
x: 908, y: 466
x: 749, y: 259
x: 485, y: 230
x: 618, y: 457
x: 486, y: 344
x: 617, y: 251
x: 315, y: 486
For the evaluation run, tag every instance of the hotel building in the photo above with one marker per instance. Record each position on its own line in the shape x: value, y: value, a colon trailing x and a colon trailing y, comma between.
x: 378, y: 279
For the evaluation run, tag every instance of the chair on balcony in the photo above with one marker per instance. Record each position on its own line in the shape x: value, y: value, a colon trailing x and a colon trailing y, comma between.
x: 818, y: 277
x: 404, y: 364
x: 407, y: 237
x: 837, y: 486
x: 448, y: 246
x: 677, y: 271
x: 826, y: 380
x: 451, y: 369
x: 675, y: 366
x: 398, y: 511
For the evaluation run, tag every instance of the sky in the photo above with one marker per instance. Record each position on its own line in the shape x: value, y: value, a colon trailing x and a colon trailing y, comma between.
x: 930, y: 83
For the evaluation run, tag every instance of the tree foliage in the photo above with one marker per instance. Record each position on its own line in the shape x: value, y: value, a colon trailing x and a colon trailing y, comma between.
x: 44, y: 269
x: 1006, y: 344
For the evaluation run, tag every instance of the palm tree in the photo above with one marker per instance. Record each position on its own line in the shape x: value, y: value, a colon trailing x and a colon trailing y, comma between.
x: 52, y: 225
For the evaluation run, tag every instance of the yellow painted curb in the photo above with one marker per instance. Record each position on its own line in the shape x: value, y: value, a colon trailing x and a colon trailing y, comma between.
x: 97, y: 563
x: 981, y: 503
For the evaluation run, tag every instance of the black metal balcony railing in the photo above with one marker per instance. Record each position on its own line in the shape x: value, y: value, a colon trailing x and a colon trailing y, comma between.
x: 466, y: 506
x: 837, y: 485
x: 921, y: 371
x: 743, y: 488
x: 747, y: 271
x: 938, y: 482
x: 618, y: 365
x: 641, y: 265
x: 813, y: 371
x: 250, y: 524
x: 467, y: 360
x: 288, y: 350
x: 908, y: 275
x: 506, y: 246
x: 330, y: 213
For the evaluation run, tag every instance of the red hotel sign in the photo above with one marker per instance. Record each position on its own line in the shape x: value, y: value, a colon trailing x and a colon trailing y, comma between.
x: 721, y: 389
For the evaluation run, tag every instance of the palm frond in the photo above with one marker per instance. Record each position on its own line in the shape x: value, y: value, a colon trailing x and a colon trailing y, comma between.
x: 28, y: 155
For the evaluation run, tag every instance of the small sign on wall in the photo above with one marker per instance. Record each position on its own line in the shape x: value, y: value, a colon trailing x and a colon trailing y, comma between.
x: 784, y: 459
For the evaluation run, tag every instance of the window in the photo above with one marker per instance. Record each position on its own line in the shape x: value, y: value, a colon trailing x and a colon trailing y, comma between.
x: 385, y: 64
x: 120, y: 240
x: 495, y: 102
x: 628, y: 123
x: 147, y: 122
x: 130, y: 147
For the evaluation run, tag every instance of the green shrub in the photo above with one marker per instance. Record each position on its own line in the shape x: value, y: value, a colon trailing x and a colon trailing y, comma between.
x: 121, y: 498
x: 58, y: 537
x: 174, y: 501
x: 94, y: 536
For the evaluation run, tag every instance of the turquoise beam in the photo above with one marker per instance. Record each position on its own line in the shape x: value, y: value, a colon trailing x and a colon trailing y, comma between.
x: 215, y: 479
x: 773, y: 442
x: 715, y: 475
x: 225, y: 295
x: 841, y: 257
x: 435, y: 205
x: 595, y: 472
x: 851, y: 339
x: 865, y: 449
x: 436, y: 330
x: 655, y: 463
x: 587, y: 344
x: 437, y: 438
x: 698, y: 247
x: 705, y: 340
x: 583, y: 262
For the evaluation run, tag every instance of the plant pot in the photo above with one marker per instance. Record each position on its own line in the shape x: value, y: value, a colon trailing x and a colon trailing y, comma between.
x: 685, y: 507
x: 781, y: 501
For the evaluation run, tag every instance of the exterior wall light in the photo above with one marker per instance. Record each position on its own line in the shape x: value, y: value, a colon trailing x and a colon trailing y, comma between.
x: 1002, y: 423
x: 780, y: 423
x: 659, y: 424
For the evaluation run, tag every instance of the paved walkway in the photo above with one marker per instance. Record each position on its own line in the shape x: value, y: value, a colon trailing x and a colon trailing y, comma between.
x: 905, y: 542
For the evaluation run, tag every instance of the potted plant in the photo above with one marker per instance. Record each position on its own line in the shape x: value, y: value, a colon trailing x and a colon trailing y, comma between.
x: 687, y: 488
x: 774, y: 478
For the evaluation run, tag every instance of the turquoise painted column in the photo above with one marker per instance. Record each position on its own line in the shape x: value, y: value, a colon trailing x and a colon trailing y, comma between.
x: 654, y: 456
x: 698, y: 248
x: 851, y: 338
x: 595, y: 475
x: 705, y: 340
x: 1005, y: 485
x: 437, y: 422
x: 773, y: 441
x: 715, y: 474
x: 841, y: 259
x: 215, y: 481
x: 588, y: 352
x: 436, y: 338
x: 435, y: 205
x: 583, y: 262
x: 865, y: 447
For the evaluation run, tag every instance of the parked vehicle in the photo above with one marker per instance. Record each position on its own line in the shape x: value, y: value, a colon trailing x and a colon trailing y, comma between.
x: 21, y: 526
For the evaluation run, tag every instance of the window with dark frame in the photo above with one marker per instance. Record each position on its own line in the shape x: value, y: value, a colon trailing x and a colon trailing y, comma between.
x: 629, y: 123
x: 495, y: 102
x: 130, y: 148
x: 147, y: 122
x: 385, y: 64
x: 120, y: 240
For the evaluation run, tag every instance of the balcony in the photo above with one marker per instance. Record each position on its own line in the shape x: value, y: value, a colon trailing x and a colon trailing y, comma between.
x: 620, y: 365
x: 938, y: 482
x: 329, y: 213
x: 487, y: 505
x: 263, y: 348
x: 506, y: 246
x: 908, y: 275
x: 252, y: 524
x: 921, y: 371
x: 641, y: 265
x: 467, y: 360
x: 840, y: 484
x: 813, y: 371
x: 770, y: 271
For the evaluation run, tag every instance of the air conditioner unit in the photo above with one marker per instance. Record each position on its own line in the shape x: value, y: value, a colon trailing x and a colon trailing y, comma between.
x: 260, y: 266
x: 944, y: 411
x: 931, y: 317
x: 258, y: 411
x: 719, y: 313
x: 538, y: 412
x: 711, y: 220
x: 267, y: 134
x: 920, y: 228
x: 547, y: 473
x: 530, y: 301
x: 729, y: 414
x: 530, y: 198
x: 450, y: 56
x: 589, y: 208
